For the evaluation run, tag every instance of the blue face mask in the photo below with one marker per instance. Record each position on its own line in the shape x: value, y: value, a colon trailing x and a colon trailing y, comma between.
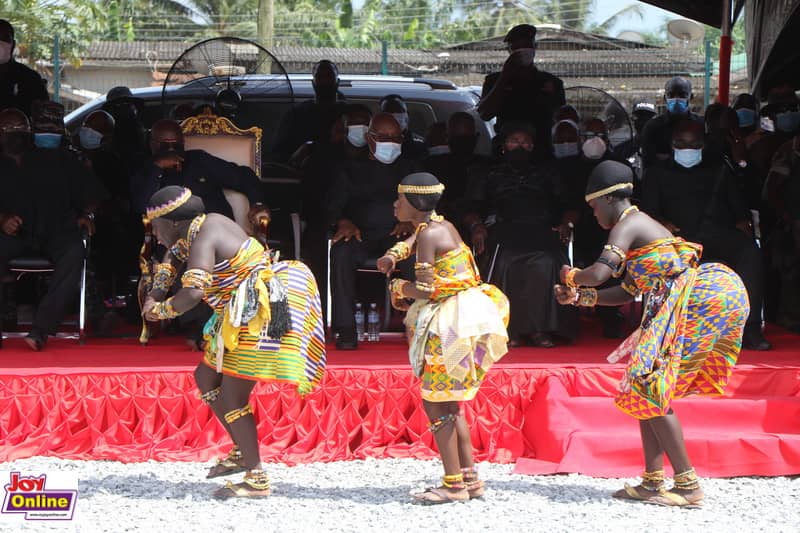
x: 787, y: 122
x: 747, y: 117
x: 387, y: 153
x: 47, y: 140
x: 562, y: 150
x: 688, y: 157
x: 90, y: 139
x: 677, y: 106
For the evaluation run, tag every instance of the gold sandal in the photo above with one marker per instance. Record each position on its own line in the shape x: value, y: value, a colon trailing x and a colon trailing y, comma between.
x: 652, y: 483
x: 254, y: 485
x: 673, y: 499
x: 229, y: 465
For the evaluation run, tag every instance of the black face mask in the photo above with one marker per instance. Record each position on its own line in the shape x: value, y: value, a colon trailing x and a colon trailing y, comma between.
x: 15, y: 143
x: 517, y: 156
x: 462, y: 145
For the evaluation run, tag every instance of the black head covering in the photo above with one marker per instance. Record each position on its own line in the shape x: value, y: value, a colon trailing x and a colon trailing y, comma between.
x: 610, y: 178
x: 422, y: 202
x: 162, y: 198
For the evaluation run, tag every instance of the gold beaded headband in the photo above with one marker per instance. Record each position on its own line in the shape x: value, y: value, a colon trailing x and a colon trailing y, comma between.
x: 163, y: 209
x: 608, y: 190
x: 421, y: 189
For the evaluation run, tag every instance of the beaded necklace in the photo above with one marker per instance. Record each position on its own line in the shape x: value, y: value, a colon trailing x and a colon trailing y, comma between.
x: 628, y: 211
x: 180, y: 250
x: 433, y: 218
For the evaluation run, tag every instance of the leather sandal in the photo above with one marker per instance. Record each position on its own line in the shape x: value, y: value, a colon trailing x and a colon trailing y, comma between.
x: 673, y: 499
x: 230, y: 464
x: 254, y: 485
x: 439, y: 495
x: 638, y: 493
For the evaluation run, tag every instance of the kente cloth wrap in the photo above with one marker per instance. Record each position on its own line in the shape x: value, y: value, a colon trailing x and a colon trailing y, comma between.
x: 459, y: 333
x: 691, y: 331
x: 240, y: 335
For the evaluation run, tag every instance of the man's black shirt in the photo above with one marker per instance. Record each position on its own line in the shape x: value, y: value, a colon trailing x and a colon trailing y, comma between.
x: 657, y: 136
x: 20, y: 86
x: 364, y: 191
x: 205, y: 175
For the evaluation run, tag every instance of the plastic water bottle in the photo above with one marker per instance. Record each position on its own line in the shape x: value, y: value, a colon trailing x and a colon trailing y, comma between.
x: 373, y: 323
x: 360, y: 334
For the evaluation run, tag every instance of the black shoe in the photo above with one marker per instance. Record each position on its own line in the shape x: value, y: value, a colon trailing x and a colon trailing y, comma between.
x: 753, y: 339
x: 36, y: 341
x: 346, y: 340
x: 542, y: 340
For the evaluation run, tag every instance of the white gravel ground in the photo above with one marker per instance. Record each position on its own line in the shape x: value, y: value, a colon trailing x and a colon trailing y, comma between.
x: 372, y: 495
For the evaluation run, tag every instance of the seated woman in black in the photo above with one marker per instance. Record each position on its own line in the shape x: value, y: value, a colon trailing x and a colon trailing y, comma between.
x: 518, y: 225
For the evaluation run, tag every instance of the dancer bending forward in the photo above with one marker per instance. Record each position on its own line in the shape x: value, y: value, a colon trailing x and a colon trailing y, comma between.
x: 266, y: 326
x: 689, y: 338
x: 456, y: 329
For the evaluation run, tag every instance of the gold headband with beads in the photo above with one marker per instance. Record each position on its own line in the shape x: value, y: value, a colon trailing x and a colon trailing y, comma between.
x: 608, y: 190
x: 168, y: 207
x: 421, y: 189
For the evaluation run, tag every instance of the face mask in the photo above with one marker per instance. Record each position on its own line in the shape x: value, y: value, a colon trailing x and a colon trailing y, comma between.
x: 594, y: 148
x: 15, y: 143
x: 47, y: 140
x: 439, y: 150
x: 677, y: 106
x: 689, y: 157
x: 518, y: 156
x: 747, y: 117
x: 357, y: 135
x: 387, y: 153
x: 462, y: 145
x: 402, y: 119
x: 90, y: 139
x: 5, y: 52
x: 787, y: 122
x: 562, y: 150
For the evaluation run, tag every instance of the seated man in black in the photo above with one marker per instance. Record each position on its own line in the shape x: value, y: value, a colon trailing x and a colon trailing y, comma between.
x: 454, y: 167
x: 696, y: 199
x: 311, y: 120
x: 521, y: 92
x: 656, y: 139
x: 42, y: 211
x: 19, y: 85
x: 523, y: 198
x: 207, y: 176
x: 413, y: 144
x: 360, y: 208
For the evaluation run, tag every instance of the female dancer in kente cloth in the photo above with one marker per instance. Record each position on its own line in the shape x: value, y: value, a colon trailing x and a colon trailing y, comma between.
x: 266, y: 326
x: 456, y: 329
x: 689, y: 338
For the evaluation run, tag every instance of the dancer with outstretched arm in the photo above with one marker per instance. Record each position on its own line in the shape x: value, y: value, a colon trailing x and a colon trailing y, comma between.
x: 266, y: 326
x: 456, y: 329
x: 689, y: 338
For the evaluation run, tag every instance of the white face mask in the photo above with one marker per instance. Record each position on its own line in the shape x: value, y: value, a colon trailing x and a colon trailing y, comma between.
x: 357, y: 135
x: 5, y: 52
x: 402, y: 120
x: 439, y: 150
x: 594, y: 148
x: 387, y: 153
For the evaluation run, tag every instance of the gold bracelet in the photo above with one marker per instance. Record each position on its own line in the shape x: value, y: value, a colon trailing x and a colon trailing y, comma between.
x: 163, y: 277
x: 196, y: 278
x: 569, y: 279
x: 424, y: 287
x: 586, y: 297
x: 399, y: 251
x: 396, y: 288
x: 164, y: 310
x: 616, y: 250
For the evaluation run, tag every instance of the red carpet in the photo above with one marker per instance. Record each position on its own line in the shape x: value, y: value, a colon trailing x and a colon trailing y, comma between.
x: 549, y: 410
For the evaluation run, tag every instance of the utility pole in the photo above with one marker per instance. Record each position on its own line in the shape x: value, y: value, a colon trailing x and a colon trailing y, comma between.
x: 266, y: 31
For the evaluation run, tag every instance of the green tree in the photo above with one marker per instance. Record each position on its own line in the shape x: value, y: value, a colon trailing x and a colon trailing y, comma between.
x: 36, y: 22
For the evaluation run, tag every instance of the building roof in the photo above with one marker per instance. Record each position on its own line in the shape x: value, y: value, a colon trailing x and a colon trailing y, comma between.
x: 577, y: 62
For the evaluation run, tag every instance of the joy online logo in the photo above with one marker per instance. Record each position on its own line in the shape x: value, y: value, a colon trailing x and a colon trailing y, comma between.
x: 28, y: 495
